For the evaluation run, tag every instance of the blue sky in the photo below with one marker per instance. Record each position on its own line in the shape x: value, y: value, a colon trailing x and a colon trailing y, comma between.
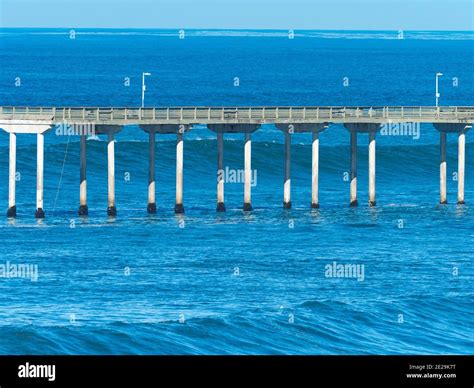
x: 245, y: 14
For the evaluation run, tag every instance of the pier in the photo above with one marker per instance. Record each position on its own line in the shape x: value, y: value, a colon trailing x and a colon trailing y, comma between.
x: 221, y: 120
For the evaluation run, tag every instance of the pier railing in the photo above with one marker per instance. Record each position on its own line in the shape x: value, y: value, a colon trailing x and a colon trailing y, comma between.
x: 241, y: 114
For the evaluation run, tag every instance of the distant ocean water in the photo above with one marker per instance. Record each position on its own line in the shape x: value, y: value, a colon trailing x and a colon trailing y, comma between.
x: 235, y: 283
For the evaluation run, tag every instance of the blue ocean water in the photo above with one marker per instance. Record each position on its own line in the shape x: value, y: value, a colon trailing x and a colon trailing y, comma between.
x: 235, y: 283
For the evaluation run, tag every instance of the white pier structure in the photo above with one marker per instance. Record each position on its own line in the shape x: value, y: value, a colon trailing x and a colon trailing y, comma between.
x: 221, y: 120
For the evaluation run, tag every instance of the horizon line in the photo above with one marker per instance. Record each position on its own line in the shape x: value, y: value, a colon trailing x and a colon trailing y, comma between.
x: 233, y: 29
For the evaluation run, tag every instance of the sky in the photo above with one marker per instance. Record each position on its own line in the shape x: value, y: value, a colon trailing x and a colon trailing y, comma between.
x: 241, y: 14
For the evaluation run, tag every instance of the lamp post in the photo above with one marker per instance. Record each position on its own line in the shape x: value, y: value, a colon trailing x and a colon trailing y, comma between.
x: 437, y: 92
x: 144, y: 88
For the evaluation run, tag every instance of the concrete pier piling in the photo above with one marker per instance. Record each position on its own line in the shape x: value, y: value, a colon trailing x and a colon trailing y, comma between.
x: 222, y: 120
x: 315, y: 171
x: 287, y: 182
x: 442, y: 169
x: 179, y: 208
x: 39, y: 175
x: 461, y: 165
x: 316, y: 129
x: 371, y: 168
x: 220, y: 172
x: 83, y: 209
x: 111, y: 209
x: 11, y: 212
x: 353, y: 189
x: 151, y: 208
x: 110, y: 131
x: 287, y: 129
x: 247, y: 171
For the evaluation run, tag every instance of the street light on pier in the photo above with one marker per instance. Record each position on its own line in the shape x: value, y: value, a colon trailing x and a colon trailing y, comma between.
x: 437, y: 92
x: 144, y: 88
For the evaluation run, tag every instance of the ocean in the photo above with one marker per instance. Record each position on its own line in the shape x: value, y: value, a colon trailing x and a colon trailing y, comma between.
x: 234, y: 282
